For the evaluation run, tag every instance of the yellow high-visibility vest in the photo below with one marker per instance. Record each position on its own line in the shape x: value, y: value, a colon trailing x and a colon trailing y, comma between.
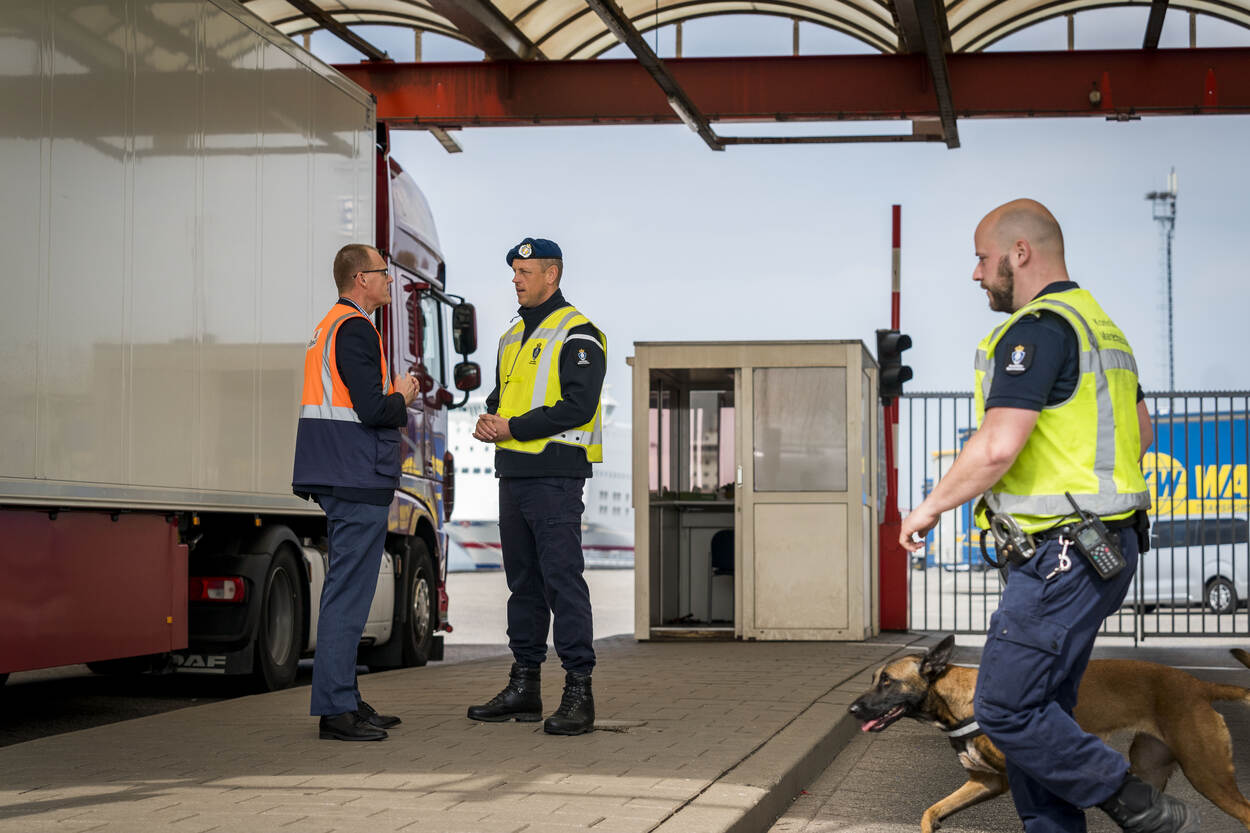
x: 529, y: 377
x: 1088, y: 445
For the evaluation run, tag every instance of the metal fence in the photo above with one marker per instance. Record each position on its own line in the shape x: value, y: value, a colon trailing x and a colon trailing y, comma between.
x: 1192, y: 582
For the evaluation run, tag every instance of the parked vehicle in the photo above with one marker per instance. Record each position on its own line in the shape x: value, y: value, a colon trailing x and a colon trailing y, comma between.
x: 1197, y: 561
x: 182, y: 206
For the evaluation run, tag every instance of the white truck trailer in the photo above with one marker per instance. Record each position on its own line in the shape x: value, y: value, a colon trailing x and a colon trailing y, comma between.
x: 178, y: 177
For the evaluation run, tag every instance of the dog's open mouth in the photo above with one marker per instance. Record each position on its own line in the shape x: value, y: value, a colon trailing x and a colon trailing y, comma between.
x: 877, y: 724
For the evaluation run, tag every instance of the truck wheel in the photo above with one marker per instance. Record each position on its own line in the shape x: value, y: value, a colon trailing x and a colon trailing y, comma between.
x: 278, y: 634
x: 1221, y: 596
x: 419, y: 595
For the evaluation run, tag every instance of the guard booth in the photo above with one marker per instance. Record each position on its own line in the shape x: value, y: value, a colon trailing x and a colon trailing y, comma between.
x: 755, y: 471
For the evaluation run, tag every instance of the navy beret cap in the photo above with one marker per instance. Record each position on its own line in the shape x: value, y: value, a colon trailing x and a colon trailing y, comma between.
x: 536, y: 248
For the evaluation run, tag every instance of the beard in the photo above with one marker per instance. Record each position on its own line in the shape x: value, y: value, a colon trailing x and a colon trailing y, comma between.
x: 1001, y: 295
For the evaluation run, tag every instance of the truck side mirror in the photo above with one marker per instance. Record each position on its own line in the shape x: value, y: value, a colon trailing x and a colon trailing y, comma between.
x: 464, y: 332
x: 468, y: 376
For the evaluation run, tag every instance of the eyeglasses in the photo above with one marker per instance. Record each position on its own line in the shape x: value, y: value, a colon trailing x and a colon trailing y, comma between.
x: 383, y: 269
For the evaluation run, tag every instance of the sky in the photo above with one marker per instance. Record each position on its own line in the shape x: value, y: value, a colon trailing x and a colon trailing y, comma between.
x: 665, y: 240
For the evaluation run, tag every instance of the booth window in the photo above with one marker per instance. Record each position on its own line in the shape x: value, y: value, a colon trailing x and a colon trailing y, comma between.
x: 691, y: 435
x: 800, y: 429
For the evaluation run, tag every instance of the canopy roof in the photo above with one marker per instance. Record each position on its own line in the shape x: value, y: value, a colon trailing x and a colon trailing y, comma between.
x: 571, y: 29
x: 930, y: 68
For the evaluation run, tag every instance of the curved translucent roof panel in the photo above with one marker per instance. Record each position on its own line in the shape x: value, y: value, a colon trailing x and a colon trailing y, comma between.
x: 413, y: 13
x: 975, y: 24
x: 570, y: 29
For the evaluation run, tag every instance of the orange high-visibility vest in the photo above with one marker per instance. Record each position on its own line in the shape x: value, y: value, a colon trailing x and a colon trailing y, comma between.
x: 332, y: 446
x: 325, y: 394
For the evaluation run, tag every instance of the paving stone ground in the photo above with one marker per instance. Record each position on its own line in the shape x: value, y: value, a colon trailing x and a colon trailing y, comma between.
x: 883, y: 782
x: 694, y: 737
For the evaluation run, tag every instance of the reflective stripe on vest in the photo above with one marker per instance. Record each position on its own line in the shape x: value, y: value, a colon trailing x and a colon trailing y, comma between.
x: 526, y: 385
x: 325, y: 394
x: 1101, y: 470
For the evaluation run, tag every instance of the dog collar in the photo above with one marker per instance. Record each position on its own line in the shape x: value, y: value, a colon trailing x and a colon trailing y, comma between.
x: 963, y: 730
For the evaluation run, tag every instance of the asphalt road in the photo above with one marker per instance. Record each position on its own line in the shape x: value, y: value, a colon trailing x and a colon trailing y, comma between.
x: 883, y: 782
x: 36, y: 704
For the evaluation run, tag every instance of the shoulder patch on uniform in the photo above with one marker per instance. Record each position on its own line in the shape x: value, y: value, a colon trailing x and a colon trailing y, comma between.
x: 1020, y: 360
x: 581, y: 356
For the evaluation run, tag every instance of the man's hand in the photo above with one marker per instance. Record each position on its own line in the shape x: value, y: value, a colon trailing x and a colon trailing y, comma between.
x: 492, y: 428
x: 406, y: 384
x: 920, y: 521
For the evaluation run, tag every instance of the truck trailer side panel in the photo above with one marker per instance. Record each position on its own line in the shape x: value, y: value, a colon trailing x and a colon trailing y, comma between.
x: 180, y: 176
x: 115, y: 585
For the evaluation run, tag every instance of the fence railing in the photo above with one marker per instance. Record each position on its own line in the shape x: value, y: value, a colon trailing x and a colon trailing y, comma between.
x: 1193, y: 581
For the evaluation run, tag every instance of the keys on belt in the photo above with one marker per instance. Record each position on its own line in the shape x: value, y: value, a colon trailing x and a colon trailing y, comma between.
x: 1065, y: 561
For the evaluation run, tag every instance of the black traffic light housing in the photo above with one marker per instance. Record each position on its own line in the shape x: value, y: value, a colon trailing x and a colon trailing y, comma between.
x: 893, y: 373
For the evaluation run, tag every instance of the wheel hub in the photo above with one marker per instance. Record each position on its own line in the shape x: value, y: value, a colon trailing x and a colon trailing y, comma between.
x: 421, y: 609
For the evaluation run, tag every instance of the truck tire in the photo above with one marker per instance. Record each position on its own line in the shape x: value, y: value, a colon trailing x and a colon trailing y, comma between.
x: 419, y: 597
x: 279, y: 632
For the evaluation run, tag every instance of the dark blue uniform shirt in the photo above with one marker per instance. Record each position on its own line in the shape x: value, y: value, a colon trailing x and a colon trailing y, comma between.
x: 1047, y: 349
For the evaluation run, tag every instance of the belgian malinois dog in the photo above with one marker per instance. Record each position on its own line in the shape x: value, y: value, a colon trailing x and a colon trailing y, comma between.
x: 1168, y: 711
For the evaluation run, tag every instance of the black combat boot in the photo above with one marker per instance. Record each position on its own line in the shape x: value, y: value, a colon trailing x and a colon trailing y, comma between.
x: 576, y: 714
x: 520, y: 700
x: 1139, y: 808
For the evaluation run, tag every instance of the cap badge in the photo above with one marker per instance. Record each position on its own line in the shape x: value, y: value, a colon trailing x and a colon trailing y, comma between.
x: 526, y: 250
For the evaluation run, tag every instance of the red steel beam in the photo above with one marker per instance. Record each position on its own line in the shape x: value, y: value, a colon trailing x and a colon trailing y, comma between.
x: 811, y: 88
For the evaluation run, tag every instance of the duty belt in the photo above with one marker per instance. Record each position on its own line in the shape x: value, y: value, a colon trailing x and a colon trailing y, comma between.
x: 1062, y: 531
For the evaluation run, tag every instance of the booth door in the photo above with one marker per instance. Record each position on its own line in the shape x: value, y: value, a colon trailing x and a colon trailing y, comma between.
x: 797, y: 579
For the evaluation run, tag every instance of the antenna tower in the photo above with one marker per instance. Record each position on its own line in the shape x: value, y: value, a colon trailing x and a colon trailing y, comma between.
x: 1163, y: 205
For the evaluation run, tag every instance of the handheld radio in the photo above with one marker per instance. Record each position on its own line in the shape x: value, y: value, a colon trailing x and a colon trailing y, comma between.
x: 1092, y: 539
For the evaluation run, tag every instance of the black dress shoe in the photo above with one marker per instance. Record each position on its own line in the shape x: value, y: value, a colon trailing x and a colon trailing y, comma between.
x: 348, y: 726
x: 369, y: 715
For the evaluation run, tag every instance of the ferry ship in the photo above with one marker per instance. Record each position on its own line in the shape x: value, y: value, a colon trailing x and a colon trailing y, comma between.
x: 473, y: 531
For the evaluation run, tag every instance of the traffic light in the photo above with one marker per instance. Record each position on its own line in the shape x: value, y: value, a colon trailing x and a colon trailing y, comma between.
x: 893, y: 373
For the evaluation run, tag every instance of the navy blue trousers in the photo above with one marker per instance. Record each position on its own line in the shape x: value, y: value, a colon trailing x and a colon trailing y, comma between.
x: 540, y: 530
x: 357, y: 535
x: 1038, y: 645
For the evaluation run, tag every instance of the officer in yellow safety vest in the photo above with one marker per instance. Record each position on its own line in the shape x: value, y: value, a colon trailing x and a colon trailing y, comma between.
x: 545, y: 418
x: 1060, y: 413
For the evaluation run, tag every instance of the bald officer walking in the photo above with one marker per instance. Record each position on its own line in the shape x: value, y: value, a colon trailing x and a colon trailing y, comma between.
x: 1060, y: 418
x: 545, y: 418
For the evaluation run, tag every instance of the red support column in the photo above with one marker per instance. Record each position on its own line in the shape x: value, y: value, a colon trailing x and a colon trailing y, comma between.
x: 891, y: 557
